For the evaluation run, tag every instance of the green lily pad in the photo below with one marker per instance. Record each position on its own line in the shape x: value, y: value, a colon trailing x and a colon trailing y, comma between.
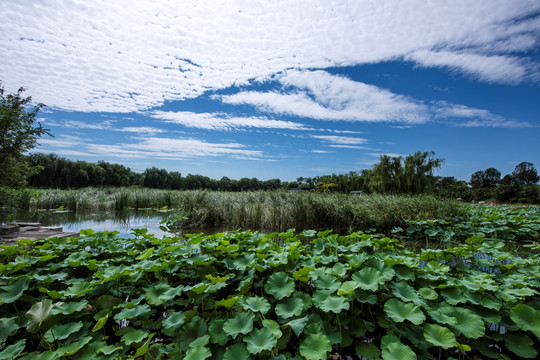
x: 12, y: 351
x: 241, y: 324
x: 134, y: 336
x: 406, y: 293
x: 174, y: 320
x: 464, y: 321
x: 12, y: 292
x: 279, y: 285
x: 256, y: 304
x: 69, y: 308
x: 327, y: 282
x: 368, y: 350
x: 335, y: 304
x: 348, y: 287
x: 428, y: 293
x: 400, y: 311
x: 38, y: 315
x: 440, y: 336
x: 273, y: 327
x: 237, y: 352
x: 521, y: 345
x: 198, y: 353
x: 61, y: 332
x: 217, y: 335
x: 259, y: 340
x: 398, y: 351
x: 315, y: 347
x: 526, y: 318
x: 8, y: 327
x: 298, y: 325
x: 139, y: 311
x: 155, y: 294
x: 289, y: 308
x: 369, y: 278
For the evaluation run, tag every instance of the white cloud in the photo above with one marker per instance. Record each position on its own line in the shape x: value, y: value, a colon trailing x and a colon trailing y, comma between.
x: 490, y: 68
x: 125, y: 56
x: 149, y: 147
x: 222, y: 121
x: 321, y: 95
x: 109, y: 125
x: 340, y: 140
x: 473, y: 117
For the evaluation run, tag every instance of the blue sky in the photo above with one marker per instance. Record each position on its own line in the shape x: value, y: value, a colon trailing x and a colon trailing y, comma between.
x: 280, y: 89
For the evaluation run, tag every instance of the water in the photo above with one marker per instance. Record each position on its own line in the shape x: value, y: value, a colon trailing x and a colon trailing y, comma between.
x: 123, y: 221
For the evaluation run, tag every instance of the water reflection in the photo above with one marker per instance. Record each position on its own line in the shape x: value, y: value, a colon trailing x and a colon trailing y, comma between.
x: 121, y: 221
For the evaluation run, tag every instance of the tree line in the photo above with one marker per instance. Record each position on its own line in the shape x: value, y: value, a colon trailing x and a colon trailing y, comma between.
x: 412, y: 174
x: 58, y: 172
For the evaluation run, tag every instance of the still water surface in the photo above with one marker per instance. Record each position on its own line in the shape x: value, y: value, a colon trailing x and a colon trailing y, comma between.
x: 123, y: 221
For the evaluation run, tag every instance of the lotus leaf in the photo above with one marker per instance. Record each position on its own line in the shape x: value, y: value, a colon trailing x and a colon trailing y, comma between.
x: 335, y: 304
x: 315, y: 347
x: 348, y: 287
x: 440, y: 336
x: 237, y: 352
x: 279, y: 285
x: 69, y: 308
x: 12, y: 292
x: 79, y: 289
x: 8, y: 327
x: 256, y: 304
x: 161, y: 293
x: 100, y: 323
x: 398, y: 351
x: 200, y: 342
x: 298, y: 325
x: 12, y: 351
x: 273, y: 327
x: 428, y: 293
x: 217, y: 335
x: 289, y: 308
x: 406, y: 293
x: 139, y: 311
x: 198, y: 353
x: 400, y: 311
x: 61, y: 332
x: 241, y: 324
x: 259, y: 340
x: 521, y: 345
x: 134, y: 336
x: 175, y: 320
x: 369, y: 278
x: 526, y: 318
x: 367, y: 350
x: 38, y: 315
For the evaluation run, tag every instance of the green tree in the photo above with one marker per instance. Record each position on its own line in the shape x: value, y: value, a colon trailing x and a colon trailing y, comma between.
x: 19, y: 133
x: 525, y: 174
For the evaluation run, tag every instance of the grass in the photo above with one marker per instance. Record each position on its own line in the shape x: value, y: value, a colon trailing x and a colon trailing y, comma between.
x: 260, y: 210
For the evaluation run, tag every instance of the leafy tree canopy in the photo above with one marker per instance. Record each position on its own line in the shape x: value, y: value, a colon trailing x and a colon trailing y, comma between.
x: 525, y: 174
x: 19, y: 132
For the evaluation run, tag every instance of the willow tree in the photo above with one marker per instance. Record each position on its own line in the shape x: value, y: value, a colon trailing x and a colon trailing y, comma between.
x: 394, y: 175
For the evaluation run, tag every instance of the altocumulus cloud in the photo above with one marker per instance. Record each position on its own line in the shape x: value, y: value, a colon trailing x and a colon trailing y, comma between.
x: 125, y: 56
x: 320, y: 95
x: 220, y: 121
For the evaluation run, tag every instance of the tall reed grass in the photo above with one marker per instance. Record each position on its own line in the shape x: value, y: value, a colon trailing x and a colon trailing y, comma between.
x: 259, y: 210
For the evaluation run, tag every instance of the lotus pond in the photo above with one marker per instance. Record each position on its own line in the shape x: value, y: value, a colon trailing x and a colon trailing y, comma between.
x: 242, y: 295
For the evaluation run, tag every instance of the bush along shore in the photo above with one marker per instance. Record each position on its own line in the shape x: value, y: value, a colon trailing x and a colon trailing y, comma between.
x: 261, y: 210
x: 245, y: 295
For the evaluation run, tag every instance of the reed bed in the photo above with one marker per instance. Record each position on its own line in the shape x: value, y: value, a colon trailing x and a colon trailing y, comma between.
x: 258, y: 210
